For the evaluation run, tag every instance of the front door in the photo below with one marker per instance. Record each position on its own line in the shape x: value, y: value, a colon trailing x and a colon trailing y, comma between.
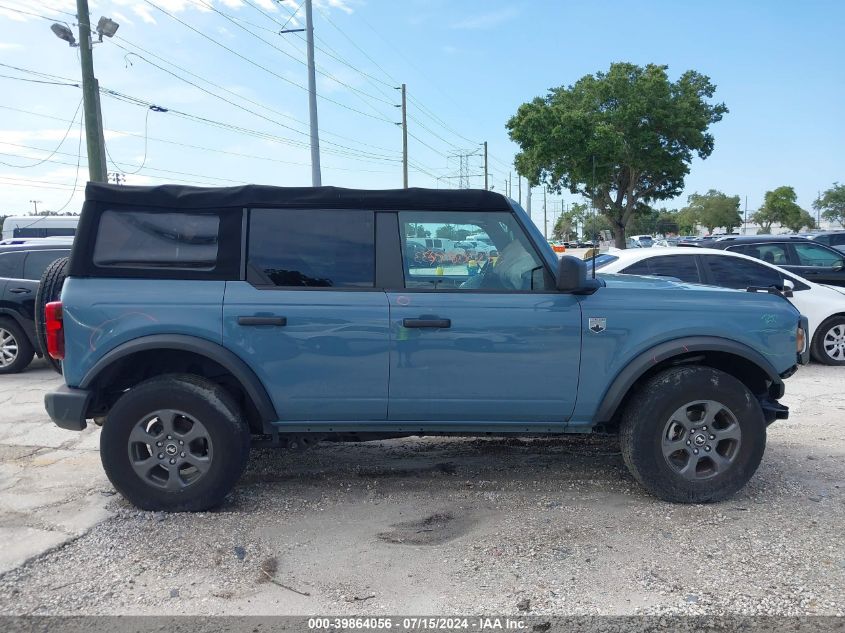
x: 480, y: 335
x: 308, y: 318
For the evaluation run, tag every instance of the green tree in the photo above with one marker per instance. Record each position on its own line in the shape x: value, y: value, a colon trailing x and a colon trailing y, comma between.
x: 622, y: 138
x: 780, y: 206
x: 564, y: 225
x: 715, y: 209
x: 688, y: 221
x: 451, y: 232
x: 667, y: 222
x: 832, y: 204
x: 644, y: 223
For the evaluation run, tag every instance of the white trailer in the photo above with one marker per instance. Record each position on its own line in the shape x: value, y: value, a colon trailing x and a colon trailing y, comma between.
x: 40, y: 226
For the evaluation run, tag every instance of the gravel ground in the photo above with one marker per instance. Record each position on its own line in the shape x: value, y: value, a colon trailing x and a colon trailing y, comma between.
x: 434, y: 525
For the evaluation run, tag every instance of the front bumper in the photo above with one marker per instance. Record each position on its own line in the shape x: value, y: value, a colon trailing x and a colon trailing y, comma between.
x: 67, y: 407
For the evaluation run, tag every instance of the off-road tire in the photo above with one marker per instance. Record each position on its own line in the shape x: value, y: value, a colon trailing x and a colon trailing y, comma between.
x: 199, y: 398
x: 49, y: 289
x: 25, y: 352
x: 817, y: 350
x: 645, y: 419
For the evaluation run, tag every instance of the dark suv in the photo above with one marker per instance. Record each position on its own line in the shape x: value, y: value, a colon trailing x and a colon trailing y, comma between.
x: 21, y: 266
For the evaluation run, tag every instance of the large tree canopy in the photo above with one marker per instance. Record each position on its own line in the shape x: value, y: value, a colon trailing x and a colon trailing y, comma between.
x: 780, y: 206
x: 714, y: 209
x: 622, y: 138
x: 832, y: 204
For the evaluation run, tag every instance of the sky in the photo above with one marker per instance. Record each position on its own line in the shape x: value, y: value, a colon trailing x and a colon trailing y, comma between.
x: 236, y: 101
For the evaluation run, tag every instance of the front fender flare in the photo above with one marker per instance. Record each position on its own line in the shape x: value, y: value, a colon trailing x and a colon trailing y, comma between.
x: 231, y: 362
x: 642, y: 363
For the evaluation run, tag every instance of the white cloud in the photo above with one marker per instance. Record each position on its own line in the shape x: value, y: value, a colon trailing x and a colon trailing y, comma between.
x: 120, y: 18
x: 486, y: 20
x: 143, y: 12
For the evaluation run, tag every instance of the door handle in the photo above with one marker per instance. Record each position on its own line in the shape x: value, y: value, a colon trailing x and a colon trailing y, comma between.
x: 19, y: 291
x: 262, y: 320
x: 427, y: 323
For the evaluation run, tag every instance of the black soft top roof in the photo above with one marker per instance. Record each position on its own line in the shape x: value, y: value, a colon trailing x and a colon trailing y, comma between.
x: 180, y: 197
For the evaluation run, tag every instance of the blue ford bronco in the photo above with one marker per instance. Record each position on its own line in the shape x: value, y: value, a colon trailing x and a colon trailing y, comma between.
x: 194, y: 323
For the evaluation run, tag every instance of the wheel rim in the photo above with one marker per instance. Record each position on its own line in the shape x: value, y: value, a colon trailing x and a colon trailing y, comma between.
x: 834, y: 342
x: 170, y: 449
x: 701, y: 439
x: 8, y: 348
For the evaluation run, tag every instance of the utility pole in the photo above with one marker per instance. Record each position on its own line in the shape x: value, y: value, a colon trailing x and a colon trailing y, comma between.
x: 404, y: 138
x: 316, y: 179
x: 91, y: 98
x: 510, y: 184
x: 485, y: 166
x: 35, y: 204
x: 545, y: 215
x: 527, y: 197
x: 519, y: 189
x: 745, y: 218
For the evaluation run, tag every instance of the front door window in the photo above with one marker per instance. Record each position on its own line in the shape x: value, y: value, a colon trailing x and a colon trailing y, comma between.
x: 470, y: 251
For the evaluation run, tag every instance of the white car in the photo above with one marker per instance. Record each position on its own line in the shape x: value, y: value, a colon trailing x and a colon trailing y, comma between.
x: 824, y: 306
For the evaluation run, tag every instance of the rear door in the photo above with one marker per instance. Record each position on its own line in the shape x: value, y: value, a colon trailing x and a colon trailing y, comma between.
x: 482, y: 342
x: 818, y: 263
x: 307, y: 316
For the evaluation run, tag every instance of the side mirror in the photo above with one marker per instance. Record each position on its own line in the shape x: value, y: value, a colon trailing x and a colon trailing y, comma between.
x: 788, y: 287
x: 572, y: 276
x: 838, y: 266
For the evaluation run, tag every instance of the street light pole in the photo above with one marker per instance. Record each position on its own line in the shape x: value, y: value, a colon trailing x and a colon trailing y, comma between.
x: 94, y: 141
x: 316, y: 179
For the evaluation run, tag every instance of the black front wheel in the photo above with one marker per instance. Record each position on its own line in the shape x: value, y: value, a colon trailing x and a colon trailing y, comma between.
x: 174, y: 443
x: 693, y: 435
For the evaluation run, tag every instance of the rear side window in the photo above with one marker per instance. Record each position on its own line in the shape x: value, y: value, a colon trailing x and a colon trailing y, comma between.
x: 147, y: 239
x: 11, y: 265
x: 681, y: 267
x: 733, y: 272
x: 770, y: 253
x: 815, y: 255
x: 37, y: 261
x: 312, y: 248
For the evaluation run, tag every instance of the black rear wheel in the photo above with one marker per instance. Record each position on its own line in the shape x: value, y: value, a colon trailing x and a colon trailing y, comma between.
x: 693, y: 435
x: 15, y: 349
x: 174, y: 443
x: 50, y: 289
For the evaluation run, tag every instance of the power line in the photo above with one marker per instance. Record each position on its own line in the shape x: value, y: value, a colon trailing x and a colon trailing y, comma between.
x: 61, y: 142
x: 235, y: 94
x: 76, y: 176
x: 264, y: 68
x: 187, y: 145
x: 345, y: 151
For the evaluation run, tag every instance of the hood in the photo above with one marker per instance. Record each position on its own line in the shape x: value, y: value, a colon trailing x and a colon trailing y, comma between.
x: 836, y: 288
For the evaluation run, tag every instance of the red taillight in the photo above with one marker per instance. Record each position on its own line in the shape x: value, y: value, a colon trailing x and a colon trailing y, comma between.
x: 54, y: 329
